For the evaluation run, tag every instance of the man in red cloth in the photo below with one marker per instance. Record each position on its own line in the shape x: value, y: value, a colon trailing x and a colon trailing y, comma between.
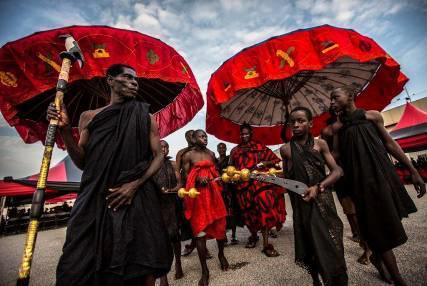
x: 262, y: 205
x: 206, y: 212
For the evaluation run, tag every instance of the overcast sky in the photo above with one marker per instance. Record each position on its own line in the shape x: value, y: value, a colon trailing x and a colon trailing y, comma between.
x: 206, y: 33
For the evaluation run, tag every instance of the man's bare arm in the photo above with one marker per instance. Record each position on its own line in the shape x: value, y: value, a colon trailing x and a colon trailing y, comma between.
x: 75, y: 150
x: 396, y: 151
x: 335, y: 171
x: 186, y: 165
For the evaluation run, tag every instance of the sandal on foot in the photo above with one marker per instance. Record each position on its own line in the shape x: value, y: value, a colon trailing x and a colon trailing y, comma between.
x: 252, y: 241
x: 234, y: 241
x: 269, y: 251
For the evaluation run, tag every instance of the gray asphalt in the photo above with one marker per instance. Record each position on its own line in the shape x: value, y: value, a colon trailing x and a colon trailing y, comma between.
x: 250, y: 266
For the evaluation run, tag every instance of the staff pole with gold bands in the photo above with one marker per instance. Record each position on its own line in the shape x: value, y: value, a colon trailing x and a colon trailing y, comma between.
x: 72, y: 54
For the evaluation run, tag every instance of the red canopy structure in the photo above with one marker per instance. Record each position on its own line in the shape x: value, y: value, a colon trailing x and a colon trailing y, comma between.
x: 261, y: 84
x: 29, y: 70
x: 63, y: 178
x: 411, y: 130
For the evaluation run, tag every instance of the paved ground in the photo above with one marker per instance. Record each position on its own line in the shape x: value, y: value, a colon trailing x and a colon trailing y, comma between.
x: 251, y: 267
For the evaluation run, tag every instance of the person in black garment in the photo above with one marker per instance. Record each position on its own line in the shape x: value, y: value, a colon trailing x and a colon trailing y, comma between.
x: 362, y: 145
x: 318, y: 230
x: 167, y: 179
x: 116, y: 234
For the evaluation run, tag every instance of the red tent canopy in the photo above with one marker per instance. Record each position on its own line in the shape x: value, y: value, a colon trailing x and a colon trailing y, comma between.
x: 62, y: 177
x: 411, y: 130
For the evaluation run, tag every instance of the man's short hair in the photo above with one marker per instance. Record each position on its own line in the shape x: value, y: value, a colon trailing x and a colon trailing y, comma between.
x: 221, y: 144
x: 198, y: 131
x: 348, y: 90
x: 307, y: 111
x: 187, y: 133
x: 164, y: 141
x: 116, y: 69
x: 245, y: 126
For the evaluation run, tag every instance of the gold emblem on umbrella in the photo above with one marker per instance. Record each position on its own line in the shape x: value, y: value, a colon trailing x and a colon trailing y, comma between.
x: 251, y: 73
x: 8, y: 79
x: 152, y: 57
x: 100, y: 51
x: 286, y: 57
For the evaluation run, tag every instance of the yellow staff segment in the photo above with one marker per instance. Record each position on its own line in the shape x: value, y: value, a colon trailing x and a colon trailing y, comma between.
x: 24, y: 270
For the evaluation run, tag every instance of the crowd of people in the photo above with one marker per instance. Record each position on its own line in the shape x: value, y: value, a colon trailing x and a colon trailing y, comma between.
x: 128, y: 222
x: 16, y: 219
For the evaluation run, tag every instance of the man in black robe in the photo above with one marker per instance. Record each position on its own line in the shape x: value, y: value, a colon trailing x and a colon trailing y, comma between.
x: 228, y: 193
x: 318, y: 230
x: 380, y: 198
x: 166, y: 179
x: 116, y: 234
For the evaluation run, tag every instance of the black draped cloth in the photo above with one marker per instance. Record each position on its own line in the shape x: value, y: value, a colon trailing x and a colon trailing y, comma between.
x: 104, y: 247
x: 318, y: 230
x: 380, y: 198
x: 170, y: 204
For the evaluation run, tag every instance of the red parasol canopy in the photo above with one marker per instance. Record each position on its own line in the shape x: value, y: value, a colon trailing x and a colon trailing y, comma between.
x: 29, y: 71
x: 262, y: 83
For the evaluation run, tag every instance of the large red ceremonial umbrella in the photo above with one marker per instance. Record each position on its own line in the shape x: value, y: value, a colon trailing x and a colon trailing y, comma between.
x: 29, y: 70
x: 262, y: 83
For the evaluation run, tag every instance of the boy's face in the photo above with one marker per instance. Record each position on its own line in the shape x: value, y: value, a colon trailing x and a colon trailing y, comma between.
x: 222, y: 149
x: 201, y: 138
x: 340, y: 99
x: 299, y: 123
x: 164, y: 147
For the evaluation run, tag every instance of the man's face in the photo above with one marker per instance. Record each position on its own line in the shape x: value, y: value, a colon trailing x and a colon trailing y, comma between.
x: 340, y: 100
x: 299, y: 123
x: 164, y: 147
x: 245, y: 135
x: 125, y: 84
x: 201, y: 138
x: 222, y: 149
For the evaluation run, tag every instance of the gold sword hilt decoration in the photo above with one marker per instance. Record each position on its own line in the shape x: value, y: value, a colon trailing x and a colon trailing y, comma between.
x: 231, y: 174
x: 192, y: 193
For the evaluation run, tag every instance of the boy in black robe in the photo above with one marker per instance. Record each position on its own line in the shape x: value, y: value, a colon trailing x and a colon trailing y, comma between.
x: 380, y: 198
x: 318, y: 230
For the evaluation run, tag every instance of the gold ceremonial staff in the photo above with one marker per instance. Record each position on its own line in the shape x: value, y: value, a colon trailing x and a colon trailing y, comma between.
x: 72, y: 54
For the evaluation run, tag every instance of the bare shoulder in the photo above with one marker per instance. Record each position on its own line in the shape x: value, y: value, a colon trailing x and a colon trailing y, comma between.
x: 285, y: 150
x: 187, y: 156
x: 321, y: 143
x: 375, y: 116
x: 212, y: 153
x: 327, y: 132
x: 87, y: 116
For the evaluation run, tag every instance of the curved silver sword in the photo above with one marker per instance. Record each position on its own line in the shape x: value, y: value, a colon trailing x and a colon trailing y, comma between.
x: 291, y: 185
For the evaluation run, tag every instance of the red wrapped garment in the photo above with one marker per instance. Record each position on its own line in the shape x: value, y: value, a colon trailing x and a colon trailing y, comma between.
x: 207, y: 212
x: 262, y: 204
